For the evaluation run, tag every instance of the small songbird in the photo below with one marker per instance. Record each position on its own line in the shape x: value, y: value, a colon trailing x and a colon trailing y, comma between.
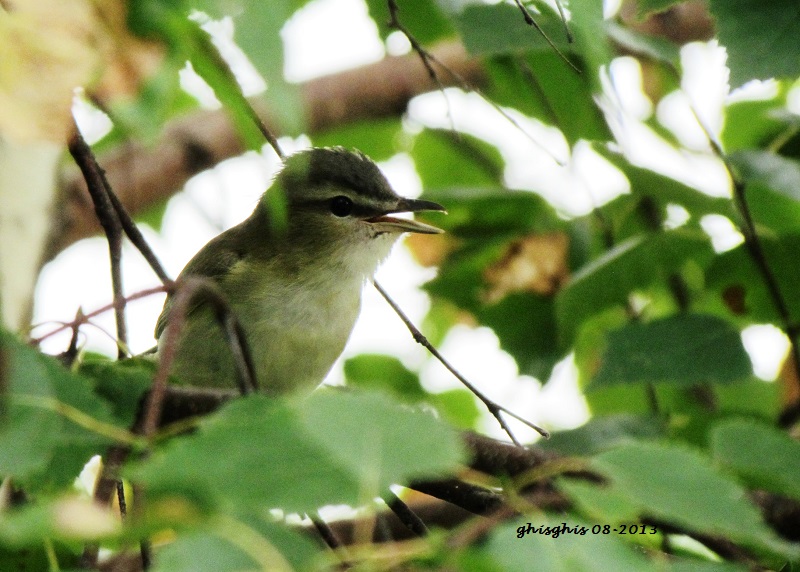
x: 294, y: 282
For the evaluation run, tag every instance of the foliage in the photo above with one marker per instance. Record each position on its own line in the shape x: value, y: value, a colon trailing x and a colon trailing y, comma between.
x: 684, y: 440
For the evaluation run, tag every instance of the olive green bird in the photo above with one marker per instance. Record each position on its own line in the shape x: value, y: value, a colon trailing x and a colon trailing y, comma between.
x: 294, y: 284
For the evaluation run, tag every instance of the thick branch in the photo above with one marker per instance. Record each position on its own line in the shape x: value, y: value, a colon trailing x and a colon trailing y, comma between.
x: 144, y: 176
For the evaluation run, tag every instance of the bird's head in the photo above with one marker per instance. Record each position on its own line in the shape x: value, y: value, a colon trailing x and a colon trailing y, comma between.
x: 338, y: 201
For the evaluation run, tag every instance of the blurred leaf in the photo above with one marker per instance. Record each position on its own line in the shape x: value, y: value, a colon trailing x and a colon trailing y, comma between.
x: 681, y: 486
x: 423, y: 18
x: 665, y: 190
x: 759, y: 37
x: 569, y: 551
x: 484, y: 221
x: 489, y: 29
x: 445, y: 160
x: 601, y: 504
x: 457, y: 406
x: 481, y: 215
x: 591, y: 42
x: 201, y: 552
x: 653, y: 47
x: 684, y: 349
x: 765, y: 457
x: 735, y: 278
x: 374, y: 371
x: 336, y: 444
x: 752, y: 124
x: 542, y: 86
x: 169, y: 22
x: 605, y: 432
x: 121, y: 383
x: 36, y: 441
x: 36, y: 558
x: 636, y: 263
x: 377, y: 138
x: 159, y: 99
x: 772, y: 188
x: 213, y: 551
x: 387, y: 373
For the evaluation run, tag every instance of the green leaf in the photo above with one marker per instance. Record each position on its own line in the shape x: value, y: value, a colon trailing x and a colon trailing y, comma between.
x: 765, y: 457
x: 36, y: 440
x: 501, y: 29
x: 387, y: 373
x: 681, y: 486
x: 772, y: 188
x: 601, y: 504
x: 653, y: 47
x: 760, y: 38
x: 377, y: 138
x: 258, y: 33
x: 340, y: 446
x: 378, y: 440
x: 568, y: 551
x: 121, y: 383
x: 604, y: 432
x: 752, y: 124
x: 685, y: 349
x: 481, y: 215
x: 375, y: 371
x: 423, y: 18
x: 540, y: 85
x: 735, y: 277
x: 664, y: 190
x: 212, y: 549
x: 445, y: 160
x: 636, y: 263
x: 591, y: 41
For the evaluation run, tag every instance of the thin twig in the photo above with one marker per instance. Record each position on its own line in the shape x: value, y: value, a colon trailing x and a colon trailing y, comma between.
x: 110, y: 222
x: 85, y: 318
x: 494, y: 408
x: 223, y: 66
x: 330, y: 538
x: 407, y: 516
x: 187, y: 291
x: 754, y: 247
x: 428, y: 59
x: 567, y: 31
x: 528, y: 17
x: 135, y: 235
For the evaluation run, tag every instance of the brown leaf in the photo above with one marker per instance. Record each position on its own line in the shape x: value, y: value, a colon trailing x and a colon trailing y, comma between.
x: 536, y: 263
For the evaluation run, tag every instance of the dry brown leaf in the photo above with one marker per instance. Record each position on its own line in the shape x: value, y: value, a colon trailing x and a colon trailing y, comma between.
x: 535, y: 263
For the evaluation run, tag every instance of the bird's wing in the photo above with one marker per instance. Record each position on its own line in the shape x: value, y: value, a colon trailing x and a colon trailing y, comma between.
x: 214, y: 261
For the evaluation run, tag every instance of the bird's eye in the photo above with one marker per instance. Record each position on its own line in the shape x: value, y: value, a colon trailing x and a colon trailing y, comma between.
x: 341, y: 206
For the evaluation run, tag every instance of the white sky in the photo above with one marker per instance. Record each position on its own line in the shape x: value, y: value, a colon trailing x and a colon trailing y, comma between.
x: 217, y: 199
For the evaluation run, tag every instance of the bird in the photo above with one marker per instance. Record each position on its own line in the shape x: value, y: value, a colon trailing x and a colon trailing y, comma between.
x: 293, y: 272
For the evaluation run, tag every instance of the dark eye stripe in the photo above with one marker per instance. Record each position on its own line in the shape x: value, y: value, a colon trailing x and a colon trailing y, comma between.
x: 325, y: 205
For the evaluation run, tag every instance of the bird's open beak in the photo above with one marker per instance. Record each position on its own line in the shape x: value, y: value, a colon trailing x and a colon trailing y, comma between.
x: 386, y: 223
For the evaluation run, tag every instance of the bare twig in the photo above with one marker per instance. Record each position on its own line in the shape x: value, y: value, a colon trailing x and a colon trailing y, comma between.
x: 528, y: 17
x: 85, y: 318
x: 494, y: 408
x: 756, y: 250
x: 187, y: 291
x: 407, y: 516
x: 110, y: 222
x: 428, y: 59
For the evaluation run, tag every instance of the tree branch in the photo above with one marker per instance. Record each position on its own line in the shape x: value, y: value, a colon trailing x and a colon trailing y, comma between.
x: 143, y: 176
